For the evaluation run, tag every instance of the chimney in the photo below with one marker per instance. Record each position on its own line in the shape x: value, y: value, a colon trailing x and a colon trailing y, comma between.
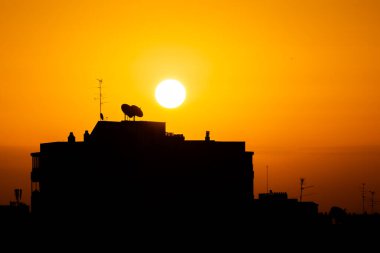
x: 86, y: 136
x: 71, y: 138
x: 207, y: 138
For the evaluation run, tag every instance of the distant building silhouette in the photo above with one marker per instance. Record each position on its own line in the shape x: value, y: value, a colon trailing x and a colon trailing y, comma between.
x: 277, y: 208
x: 134, y: 166
x: 14, y: 214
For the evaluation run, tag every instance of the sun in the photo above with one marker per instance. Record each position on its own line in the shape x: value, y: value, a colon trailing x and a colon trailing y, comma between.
x: 170, y: 93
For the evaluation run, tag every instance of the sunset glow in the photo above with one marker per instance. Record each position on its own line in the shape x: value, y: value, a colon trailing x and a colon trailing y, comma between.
x: 297, y: 80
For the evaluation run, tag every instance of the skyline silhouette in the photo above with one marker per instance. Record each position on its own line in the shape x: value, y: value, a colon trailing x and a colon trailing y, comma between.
x: 367, y: 199
x: 137, y: 172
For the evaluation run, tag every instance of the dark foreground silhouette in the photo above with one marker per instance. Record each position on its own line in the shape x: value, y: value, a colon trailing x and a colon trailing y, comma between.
x: 134, y: 171
x: 135, y: 175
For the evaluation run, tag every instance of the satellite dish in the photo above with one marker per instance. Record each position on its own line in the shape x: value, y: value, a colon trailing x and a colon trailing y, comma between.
x: 136, y: 111
x: 131, y: 111
x: 127, y: 110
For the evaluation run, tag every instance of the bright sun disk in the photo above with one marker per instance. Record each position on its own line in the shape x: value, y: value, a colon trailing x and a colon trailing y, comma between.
x: 170, y: 93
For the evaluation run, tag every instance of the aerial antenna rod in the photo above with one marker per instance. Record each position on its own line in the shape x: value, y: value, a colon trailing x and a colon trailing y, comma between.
x: 100, y: 99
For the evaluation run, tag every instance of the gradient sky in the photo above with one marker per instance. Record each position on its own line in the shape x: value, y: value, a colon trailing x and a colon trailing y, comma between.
x: 298, y: 80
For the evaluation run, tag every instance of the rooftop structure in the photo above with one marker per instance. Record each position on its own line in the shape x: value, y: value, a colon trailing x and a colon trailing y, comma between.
x: 137, y: 165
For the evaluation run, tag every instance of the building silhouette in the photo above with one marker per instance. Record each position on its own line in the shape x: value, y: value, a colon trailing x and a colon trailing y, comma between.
x: 16, y: 214
x: 276, y: 208
x: 136, y: 167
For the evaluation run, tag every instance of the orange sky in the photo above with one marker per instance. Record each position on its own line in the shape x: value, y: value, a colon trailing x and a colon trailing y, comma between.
x: 297, y: 80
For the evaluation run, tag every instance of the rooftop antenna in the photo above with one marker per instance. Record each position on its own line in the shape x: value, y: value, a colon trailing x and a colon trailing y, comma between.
x: 302, y: 181
x: 100, y: 98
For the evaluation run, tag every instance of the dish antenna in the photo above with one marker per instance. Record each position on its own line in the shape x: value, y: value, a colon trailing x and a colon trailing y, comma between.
x: 131, y: 111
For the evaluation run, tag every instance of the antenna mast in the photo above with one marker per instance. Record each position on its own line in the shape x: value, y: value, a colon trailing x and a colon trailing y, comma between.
x: 100, y: 98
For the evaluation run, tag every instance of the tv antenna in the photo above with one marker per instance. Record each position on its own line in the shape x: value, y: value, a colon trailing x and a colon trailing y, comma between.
x: 100, y: 99
x: 302, y: 181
